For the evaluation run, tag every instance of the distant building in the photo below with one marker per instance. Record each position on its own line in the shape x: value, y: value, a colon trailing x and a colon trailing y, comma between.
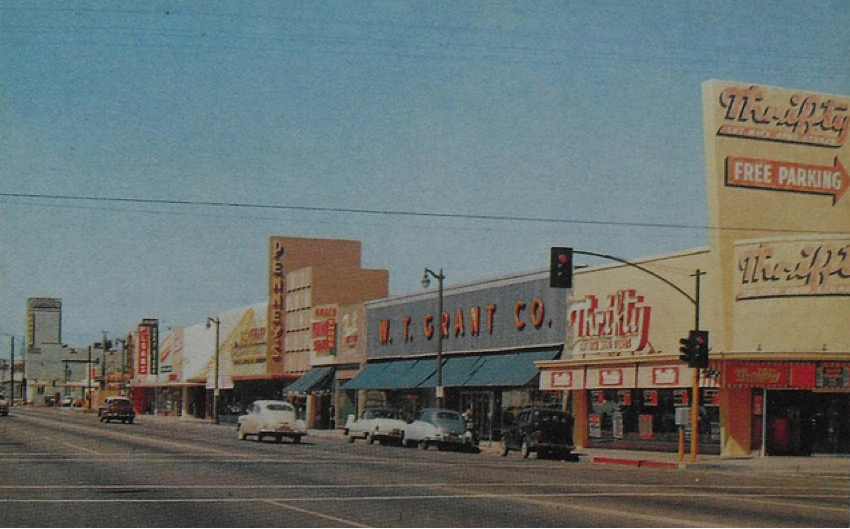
x: 46, y: 375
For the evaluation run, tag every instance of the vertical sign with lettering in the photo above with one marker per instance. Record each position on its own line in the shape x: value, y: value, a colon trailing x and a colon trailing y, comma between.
x: 144, y: 349
x: 277, y: 300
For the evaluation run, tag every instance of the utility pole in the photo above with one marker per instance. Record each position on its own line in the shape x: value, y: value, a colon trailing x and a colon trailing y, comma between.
x: 88, y: 379
x: 695, y: 388
x: 12, y: 386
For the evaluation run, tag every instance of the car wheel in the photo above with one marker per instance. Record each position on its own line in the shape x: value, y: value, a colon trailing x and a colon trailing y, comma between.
x: 278, y: 438
x: 503, y: 449
x: 296, y: 439
x: 370, y: 439
x: 350, y: 438
x: 525, y: 450
x: 131, y: 420
x: 424, y: 445
x: 240, y: 434
x: 259, y: 437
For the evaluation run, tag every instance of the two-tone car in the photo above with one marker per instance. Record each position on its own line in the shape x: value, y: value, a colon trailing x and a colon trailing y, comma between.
x: 438, y: 427
x: 117, y: 409
x: 271, y: 418
x: 384, y: 425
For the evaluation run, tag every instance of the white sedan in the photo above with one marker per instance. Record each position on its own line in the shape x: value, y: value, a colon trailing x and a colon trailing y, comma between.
x: 272, y: 418
x: 435, y: 426
x: 375, y: 424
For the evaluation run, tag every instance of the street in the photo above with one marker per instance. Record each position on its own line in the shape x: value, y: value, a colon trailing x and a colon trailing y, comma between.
x: 62, y: 468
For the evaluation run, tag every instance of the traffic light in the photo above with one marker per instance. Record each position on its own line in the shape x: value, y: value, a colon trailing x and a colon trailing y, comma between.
x: 687, y: 351
x: 695, y: 349
x: 699, y: 341
x: 561, y: 268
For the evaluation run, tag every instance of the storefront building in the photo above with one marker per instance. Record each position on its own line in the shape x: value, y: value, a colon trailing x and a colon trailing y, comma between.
x: 492, y: 334
x: 775, y: 291
x: 301, y: 345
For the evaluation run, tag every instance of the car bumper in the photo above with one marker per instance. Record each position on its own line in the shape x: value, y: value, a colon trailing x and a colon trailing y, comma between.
x: 454, y: 439
x: 121, y: 416
x: 393, y: 435
x: 284, y: 431
x: 553, y: 447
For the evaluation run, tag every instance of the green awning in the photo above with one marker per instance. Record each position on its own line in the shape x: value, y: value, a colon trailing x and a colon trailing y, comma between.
x: 316, y: 379
x: 395, y: 374
x: 456, y: 371
x: 509, y: 370
x: 505, y: 369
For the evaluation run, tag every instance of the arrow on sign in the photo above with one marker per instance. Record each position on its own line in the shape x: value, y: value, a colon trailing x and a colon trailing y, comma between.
x: 793, y: 177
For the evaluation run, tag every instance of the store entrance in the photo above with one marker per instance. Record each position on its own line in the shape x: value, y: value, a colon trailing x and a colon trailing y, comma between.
x: 805, y: 423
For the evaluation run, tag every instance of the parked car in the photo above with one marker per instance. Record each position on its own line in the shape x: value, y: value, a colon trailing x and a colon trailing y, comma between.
x: 540, y: 430
x: 272, y: 418
x: 66, y: 402
x: 117, y: 409
x: 440, y: 427
x: 4, y: 405
x: 375, y: 424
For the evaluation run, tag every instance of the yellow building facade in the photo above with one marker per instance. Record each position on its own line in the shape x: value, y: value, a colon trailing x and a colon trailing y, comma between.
x: 774, y: 295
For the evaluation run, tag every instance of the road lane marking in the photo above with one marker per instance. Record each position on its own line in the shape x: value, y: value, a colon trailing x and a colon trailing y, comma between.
x: 84, y: 449
x: 718, y: 490
x: 317, y: 514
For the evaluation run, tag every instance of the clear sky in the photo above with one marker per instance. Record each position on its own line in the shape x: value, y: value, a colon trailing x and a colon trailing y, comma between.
x: 578, y: 123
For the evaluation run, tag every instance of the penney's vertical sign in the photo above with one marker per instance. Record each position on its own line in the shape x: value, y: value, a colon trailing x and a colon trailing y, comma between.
x: 148, y: 347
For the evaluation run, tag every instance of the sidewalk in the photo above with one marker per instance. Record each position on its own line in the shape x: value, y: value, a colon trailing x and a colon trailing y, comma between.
x: 827, y: 465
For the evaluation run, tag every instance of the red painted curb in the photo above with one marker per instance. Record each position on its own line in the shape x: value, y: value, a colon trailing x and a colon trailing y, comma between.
x: 633, y: 462
x: 615, y: 461
x: 657, y: 464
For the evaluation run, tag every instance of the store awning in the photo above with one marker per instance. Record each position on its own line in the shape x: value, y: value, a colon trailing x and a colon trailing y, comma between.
x: 395, y: 374
x: 316, y: 379
x: 514, y: 369
x: 509, y: 370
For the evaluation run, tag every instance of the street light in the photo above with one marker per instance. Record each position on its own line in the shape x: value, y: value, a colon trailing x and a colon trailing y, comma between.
x: 217, y: 323
x: 123, y: 342
x: 426, y: 282
x: 12, y: 381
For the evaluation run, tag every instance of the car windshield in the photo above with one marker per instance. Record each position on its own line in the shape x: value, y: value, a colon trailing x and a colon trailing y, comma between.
x: 280, y: 407
x: 380, y: 414
x: 449, y: 415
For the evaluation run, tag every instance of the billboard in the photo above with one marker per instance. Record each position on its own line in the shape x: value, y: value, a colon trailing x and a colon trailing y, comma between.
x: 776, y: 175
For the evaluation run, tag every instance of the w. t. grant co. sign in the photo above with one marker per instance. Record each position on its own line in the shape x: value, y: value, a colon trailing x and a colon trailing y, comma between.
x: 509, y: 313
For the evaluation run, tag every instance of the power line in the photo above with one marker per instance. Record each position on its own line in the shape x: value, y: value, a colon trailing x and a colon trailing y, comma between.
x: 401, y: 213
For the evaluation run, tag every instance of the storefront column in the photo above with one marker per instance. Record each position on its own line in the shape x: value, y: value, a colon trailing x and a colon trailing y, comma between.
x: 310, y: 418
x: 184, y: 409
x: 735, y: 422
x: 580, y: 434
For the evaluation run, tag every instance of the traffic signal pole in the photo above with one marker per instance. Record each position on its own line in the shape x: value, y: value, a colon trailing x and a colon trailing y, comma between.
x: 695, y: 381
x: 556, y: 254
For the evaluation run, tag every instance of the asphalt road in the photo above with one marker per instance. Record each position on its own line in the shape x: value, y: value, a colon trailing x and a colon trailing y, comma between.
x: 61, y: 468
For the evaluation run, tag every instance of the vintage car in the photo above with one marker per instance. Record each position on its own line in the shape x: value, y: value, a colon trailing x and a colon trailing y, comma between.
x: 117, y: 409
x: 439, y: 427
x: 271, y: 418
x: 375, y: 424
x: 4, y: 405
x: 540, y: 430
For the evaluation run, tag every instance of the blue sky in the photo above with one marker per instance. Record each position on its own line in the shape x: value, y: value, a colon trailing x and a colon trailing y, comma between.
x: 587, y: 114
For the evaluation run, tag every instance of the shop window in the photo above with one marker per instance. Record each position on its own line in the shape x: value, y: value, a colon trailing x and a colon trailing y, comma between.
x: 647, y: 415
